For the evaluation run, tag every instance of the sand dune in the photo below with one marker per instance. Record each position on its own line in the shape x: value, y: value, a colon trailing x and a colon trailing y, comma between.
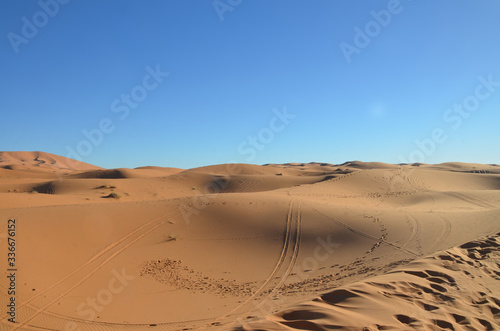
x: 40, y: 161
x: 142, y: 172
x: 235, y: 244
x: 455, y: 289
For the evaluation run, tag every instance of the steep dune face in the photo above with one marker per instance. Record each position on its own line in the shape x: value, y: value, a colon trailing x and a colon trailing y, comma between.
x: 222, y: 246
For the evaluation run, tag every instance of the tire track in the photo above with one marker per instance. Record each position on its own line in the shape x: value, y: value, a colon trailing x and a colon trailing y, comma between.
x: 102, y: 264
x: 367, y: 235
x: 294, y: 236
x: 293, y: 260
x: 285, y: 249
x: 92, y: 259
x: 279, y: 263
x: 444, y: 233
x: 469, y: 199
x: 415, y: 233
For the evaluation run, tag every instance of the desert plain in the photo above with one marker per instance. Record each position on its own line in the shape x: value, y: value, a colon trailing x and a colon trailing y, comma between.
x: 296, y: 246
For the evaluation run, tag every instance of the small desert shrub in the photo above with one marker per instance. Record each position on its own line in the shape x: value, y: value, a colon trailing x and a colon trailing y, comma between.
x: 33, y: 191
x: 113, y: 195
x: 172, y: 237
x: 107, y: 186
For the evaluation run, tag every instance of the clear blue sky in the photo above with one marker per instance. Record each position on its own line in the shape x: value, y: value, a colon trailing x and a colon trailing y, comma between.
x: 355, y: 96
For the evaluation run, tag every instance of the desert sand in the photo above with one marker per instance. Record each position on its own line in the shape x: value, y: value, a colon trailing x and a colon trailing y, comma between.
x: 315, y: 246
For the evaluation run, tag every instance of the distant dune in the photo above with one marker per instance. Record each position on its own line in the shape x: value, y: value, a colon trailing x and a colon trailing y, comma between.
x: 295, y: 246
x: 143, y: 172
x: 40, y: 161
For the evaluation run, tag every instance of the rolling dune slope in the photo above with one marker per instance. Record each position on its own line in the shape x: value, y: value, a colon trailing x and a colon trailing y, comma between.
x: 455, y: 289
x: 292, y: 246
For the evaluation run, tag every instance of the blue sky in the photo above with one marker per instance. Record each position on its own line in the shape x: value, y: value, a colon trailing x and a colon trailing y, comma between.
x: 235, y: 67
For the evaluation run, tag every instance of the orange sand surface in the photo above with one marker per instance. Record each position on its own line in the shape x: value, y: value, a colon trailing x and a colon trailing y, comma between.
x: 236, y: 246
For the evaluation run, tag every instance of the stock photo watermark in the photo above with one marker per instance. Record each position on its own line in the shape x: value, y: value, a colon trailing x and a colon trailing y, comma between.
x: 372, y: 29
x: 31, y: 26
x: 222, y: 7
x: 250, y: 147
x: 254, y: 144
x: 324, y: 250
x: 121, y: 106
x: 454, y: 116
x: 11, y: 270
x: 91, y: 306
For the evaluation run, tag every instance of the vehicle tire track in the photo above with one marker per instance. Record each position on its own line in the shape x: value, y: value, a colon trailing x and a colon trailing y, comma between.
x: 287, y: 238
x: 92, y: 259
x: 469, y: 199
x: 293, y: 260
x: 444, y: 233
x: 415, y: 233
x: 367, y: 235
x: 90, y: 274
x: 279, y: 263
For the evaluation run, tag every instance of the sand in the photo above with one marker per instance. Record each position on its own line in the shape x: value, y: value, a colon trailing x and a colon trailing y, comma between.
x: 455, y: 289
x: 311, y: 246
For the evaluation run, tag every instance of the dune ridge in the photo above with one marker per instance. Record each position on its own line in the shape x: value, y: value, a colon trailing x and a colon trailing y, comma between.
x: 40, y: 161
x: 215, y: 247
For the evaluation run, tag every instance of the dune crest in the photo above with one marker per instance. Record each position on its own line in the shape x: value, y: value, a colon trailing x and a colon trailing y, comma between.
x: 32, y: 161
x: 312, y: 246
